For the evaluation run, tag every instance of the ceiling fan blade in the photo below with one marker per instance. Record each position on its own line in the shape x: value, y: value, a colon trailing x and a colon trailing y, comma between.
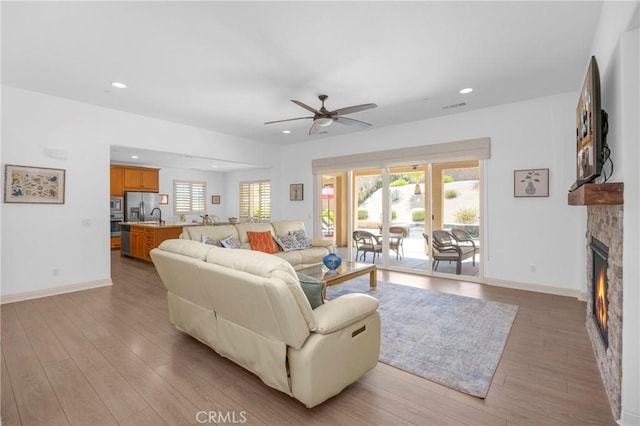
x: 314, y: 128
x: 288, y: 119
x: 351, y: 122
x: 355, y: 108
x: 307, y: 107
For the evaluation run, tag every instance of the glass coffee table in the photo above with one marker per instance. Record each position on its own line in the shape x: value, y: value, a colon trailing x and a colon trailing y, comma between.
x: 347, y: 271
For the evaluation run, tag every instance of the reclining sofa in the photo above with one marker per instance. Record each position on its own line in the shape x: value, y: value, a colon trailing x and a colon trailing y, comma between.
x: 249, y: 306
x: 299, y: 258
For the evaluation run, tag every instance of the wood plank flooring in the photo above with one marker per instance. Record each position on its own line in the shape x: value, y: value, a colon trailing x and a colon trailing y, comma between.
x: 109, y: 356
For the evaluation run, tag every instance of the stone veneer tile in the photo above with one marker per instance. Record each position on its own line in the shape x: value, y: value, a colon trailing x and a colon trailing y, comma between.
x: 604, y: 222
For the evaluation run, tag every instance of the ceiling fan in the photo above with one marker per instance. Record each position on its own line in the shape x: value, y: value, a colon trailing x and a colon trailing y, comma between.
x: 323, y: 117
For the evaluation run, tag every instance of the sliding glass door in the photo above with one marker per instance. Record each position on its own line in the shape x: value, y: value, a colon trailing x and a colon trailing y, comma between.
x: 422, y: 218
x: 455, y: 226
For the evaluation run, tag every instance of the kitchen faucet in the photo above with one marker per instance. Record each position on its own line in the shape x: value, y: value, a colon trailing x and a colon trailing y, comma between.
x: 160, y: 221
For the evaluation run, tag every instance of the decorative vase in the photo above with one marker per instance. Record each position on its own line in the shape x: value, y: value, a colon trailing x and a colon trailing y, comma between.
x: 530, y: 189
x: 332, y: 261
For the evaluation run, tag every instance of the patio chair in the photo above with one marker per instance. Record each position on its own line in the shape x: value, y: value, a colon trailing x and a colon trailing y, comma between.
x: 445, y: 247
x: 366, y: 242
x: 463, y: 238
x: 397, y: 235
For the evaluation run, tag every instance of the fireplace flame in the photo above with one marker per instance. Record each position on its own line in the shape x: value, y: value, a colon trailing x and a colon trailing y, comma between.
x: 601, y: 303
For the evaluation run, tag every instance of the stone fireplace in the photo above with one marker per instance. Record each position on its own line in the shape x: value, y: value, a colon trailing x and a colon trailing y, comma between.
x: 604, y: 203
x: 604, y: 295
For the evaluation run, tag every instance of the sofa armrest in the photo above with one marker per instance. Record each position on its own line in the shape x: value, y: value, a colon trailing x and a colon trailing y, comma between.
x: 343, y: 311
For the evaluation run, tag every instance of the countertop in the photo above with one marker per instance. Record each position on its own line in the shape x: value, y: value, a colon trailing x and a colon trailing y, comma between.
x: 154, y: 224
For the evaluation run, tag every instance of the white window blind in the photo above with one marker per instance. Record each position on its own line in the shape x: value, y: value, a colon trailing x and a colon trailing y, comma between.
x: 255, y: 200
x: 189, y: 197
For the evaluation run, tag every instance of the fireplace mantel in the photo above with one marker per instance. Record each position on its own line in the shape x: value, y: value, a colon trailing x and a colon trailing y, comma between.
x: 597, y: 194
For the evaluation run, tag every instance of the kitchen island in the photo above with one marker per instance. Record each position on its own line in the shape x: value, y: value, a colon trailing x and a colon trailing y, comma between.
x: 139, y: 238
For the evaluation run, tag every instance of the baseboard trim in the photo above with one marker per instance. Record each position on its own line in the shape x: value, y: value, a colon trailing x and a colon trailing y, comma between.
x: 557, y: 291
x: 628, y: 418
x: 36, y: 294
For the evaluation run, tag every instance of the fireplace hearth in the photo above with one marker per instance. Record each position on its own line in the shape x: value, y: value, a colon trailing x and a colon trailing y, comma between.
x: 600, y: 255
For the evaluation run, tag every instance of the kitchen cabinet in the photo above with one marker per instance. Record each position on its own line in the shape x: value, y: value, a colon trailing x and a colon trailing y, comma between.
x: 141, y: 179
x: 127, y: 178
x: 117, y: 181
x: 115, y: 243
x: 137, y: 241
x: 144, y: 238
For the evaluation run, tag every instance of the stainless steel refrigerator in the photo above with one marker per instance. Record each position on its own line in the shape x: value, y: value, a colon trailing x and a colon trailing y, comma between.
x: 138, y: 206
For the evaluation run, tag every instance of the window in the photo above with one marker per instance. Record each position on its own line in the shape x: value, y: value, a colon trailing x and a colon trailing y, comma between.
x: 255, y: 200
x: 189, y: 197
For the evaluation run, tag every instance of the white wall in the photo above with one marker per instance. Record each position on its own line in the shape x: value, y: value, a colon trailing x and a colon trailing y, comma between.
x: 521, y: 232
x: 38, y: 239
x: 631, y: 270
x: 617, y: 49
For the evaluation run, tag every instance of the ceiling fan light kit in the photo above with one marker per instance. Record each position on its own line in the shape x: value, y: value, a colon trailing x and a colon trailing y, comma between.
x: 324, y: 121
x: 323, y: 117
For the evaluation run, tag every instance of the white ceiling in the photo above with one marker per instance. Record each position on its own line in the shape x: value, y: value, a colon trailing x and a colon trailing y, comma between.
x: 231, y: 66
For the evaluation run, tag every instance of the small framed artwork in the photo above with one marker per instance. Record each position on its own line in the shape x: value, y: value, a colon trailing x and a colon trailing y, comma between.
x: 34, y: 185
x: 531, y: 183
x: 215, y: 199
x: 164, y: 198
x: 296, y: 192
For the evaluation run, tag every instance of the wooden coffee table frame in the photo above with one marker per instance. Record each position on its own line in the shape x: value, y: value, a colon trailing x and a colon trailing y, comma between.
x: 347, y: 271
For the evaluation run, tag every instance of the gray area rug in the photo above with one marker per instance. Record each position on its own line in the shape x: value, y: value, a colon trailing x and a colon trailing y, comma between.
x: 453, y: 340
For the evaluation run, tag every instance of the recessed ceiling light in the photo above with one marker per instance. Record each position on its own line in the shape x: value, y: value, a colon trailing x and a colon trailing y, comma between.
x: 118, y: 84
x: 466, y: 90
x: 214, y: 166
x: 286, y: 132
x: 134, y: 156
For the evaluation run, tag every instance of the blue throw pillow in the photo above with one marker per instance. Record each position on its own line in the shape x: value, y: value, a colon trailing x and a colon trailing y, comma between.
x: 312, y: 288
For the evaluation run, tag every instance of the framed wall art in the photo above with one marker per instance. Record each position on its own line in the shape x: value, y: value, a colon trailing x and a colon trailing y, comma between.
x: 531, y: 183
x: 296, y: 192
x: 215, y: 199
x: 34, y: 185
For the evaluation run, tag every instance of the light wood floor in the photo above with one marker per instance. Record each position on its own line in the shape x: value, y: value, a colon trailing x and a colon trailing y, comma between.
x: 109, y: 356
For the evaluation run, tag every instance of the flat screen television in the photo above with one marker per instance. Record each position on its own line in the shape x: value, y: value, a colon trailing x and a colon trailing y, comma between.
x: 591, y: 129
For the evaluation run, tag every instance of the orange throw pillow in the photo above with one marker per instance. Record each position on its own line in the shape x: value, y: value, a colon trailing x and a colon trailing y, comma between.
x: 262, y: 241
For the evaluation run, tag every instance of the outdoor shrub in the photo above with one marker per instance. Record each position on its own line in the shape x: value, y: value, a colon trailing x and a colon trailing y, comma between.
x: 466, y: 215
x: 450, y: 193
x: 328, y: 214
x: 365, y: 192
x: 395, y: 195
x: 396, y: 176
x: 394, y: 215
x: 399, y: 182
x: 417, y: 215
x: 448, y: 179
x: 378, y: 183
x: 416, y: 177
x: 363, y: 214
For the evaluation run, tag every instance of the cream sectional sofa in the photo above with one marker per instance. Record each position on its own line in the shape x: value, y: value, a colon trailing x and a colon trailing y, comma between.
x: 297, y: 258
x: 250, y: 308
